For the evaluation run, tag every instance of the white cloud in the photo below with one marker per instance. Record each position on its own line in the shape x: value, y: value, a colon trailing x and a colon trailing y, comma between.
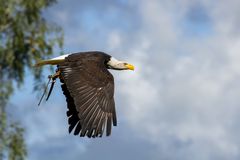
x: 114, y: 40
x: 195, y: 98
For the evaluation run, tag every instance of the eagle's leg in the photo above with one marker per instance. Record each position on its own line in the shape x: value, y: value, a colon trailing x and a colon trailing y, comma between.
x: 53, y: 78
x: 56, y: 75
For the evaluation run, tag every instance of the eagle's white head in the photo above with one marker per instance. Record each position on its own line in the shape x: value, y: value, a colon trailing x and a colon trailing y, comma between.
x: 113, y: 63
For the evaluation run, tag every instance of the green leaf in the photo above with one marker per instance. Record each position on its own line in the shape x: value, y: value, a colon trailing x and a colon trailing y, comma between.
x: 25, y: 37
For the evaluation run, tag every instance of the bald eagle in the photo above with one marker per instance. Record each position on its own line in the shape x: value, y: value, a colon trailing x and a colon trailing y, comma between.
x: 89, y: 90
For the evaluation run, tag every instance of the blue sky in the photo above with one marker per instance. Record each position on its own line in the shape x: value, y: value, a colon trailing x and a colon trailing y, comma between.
x: 181, y: 102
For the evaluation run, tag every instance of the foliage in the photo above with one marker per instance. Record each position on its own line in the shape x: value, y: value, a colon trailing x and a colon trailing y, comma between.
x: 25, y: 37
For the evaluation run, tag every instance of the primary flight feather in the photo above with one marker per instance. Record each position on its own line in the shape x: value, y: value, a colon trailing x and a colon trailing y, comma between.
x: 89, y: 90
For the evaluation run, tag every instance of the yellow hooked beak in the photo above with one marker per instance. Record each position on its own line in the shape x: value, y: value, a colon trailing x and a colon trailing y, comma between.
x: 129, y: 66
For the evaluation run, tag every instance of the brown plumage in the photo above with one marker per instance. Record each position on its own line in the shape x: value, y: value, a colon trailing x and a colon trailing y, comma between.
x: 89, y: 90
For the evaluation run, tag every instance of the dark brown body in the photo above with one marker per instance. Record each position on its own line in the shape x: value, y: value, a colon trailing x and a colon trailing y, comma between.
x: 89, y: 90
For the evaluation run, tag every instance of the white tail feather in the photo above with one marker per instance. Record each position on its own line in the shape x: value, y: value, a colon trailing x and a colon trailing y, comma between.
x: 53, y: 61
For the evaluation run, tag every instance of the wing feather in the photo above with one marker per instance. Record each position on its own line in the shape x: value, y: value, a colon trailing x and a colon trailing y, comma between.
x: 89, y: 89
x: 78, y: 128
x: 109, y: 123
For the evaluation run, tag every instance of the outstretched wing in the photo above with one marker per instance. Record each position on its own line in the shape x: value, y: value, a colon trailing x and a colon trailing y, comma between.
x: 89, y: 90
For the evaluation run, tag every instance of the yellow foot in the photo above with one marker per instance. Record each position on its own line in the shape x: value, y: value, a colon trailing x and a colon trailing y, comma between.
x: 55, y: 76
